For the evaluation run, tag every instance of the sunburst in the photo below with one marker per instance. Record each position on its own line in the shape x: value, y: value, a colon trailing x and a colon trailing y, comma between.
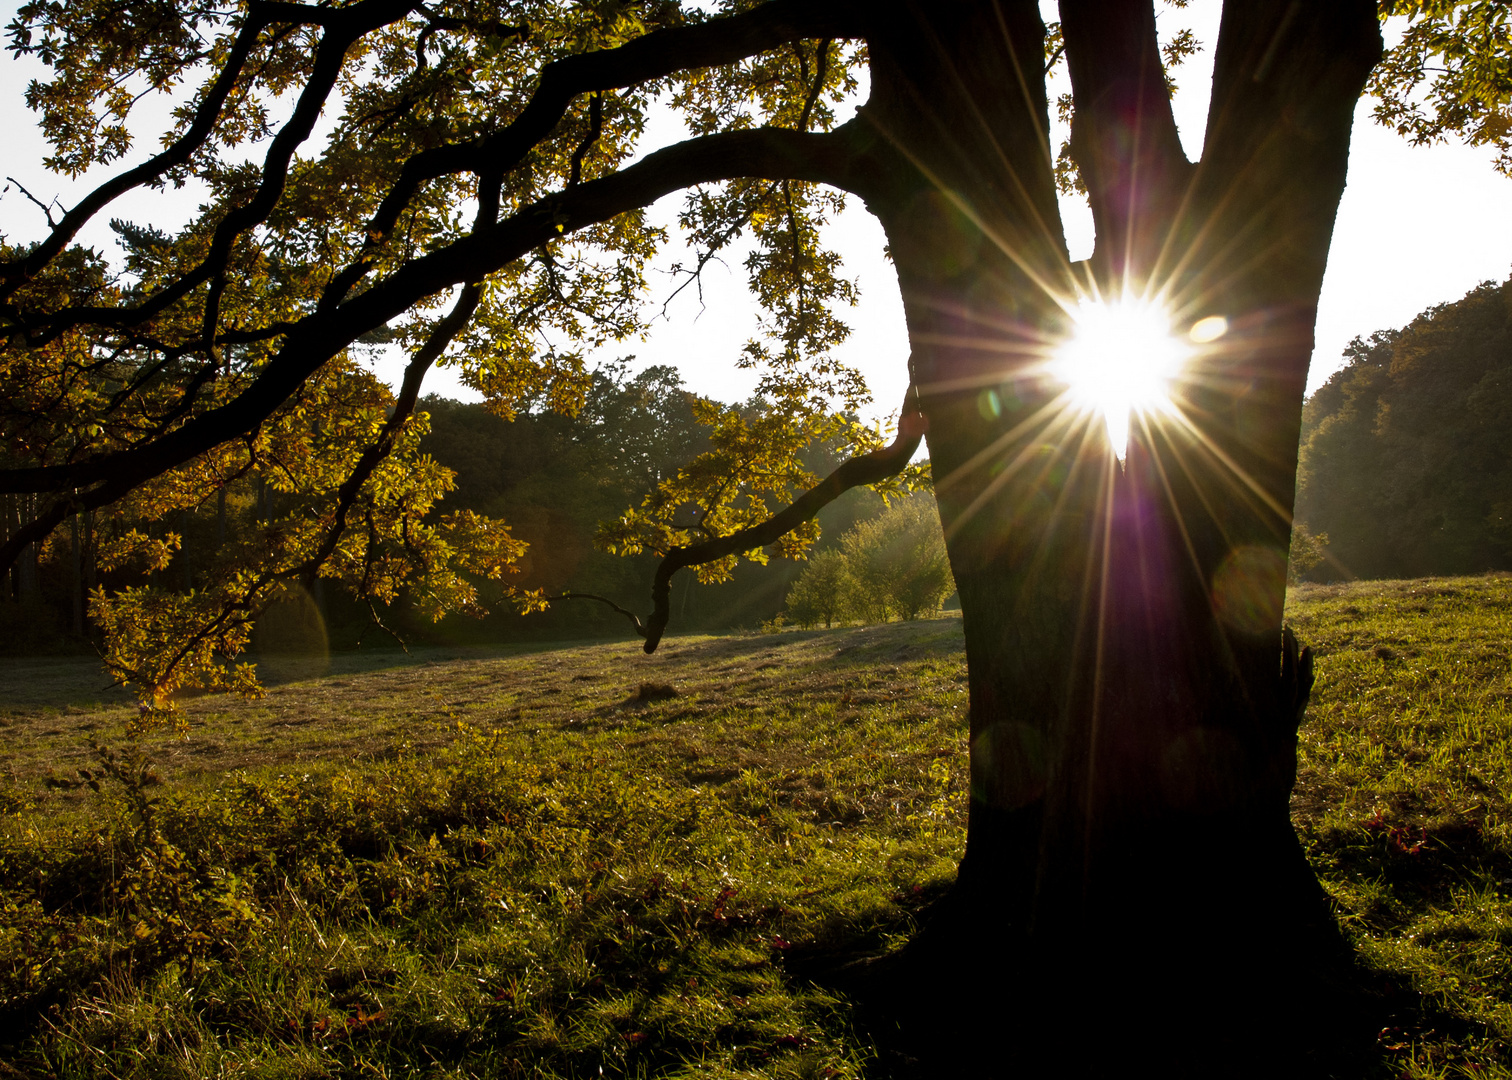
x: 1120, y: 361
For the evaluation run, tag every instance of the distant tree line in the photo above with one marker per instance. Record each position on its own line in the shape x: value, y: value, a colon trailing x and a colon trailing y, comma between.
x: 554, y: 477
x: 1406, y: 457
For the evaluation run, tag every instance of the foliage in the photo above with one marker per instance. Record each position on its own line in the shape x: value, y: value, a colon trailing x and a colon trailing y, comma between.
x: 1406, y: 459
x: 1451, y: 74
x: 131, y: 374
x: 892, y: 564
x: 897, y: 561
x: 477, y: 202
x: 563, y: 483
x: 1307, y: 551
x: 556, y: 477
x: 821, y: 593
x: 754, y: 466
x: 174, y: 619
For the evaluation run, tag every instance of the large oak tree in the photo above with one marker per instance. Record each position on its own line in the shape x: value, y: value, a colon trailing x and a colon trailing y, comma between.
x: 1134, y: 702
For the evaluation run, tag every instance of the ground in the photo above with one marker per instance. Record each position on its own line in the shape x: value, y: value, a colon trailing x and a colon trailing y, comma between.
x: 474, y: 863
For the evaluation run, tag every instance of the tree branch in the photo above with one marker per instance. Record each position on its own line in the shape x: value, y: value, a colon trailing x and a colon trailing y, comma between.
x: 330, y: 57
x: 820, y: 74
x: 356, y: 20
x: 595, y: 128
x: 445, y: 332
x: 862, y: 469
x: 766, y: 153
x: 1135, y: 185
x: 657, y: 55
x: 46, y: 210
x: 635, y: 620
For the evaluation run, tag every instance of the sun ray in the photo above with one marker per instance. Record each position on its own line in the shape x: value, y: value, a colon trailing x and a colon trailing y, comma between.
x: 1045, y: 415
x: 1234, y: 471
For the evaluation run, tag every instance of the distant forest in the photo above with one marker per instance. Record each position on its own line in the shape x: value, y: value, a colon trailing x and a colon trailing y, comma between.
x: 552, y: 477
x: 1407, y: 450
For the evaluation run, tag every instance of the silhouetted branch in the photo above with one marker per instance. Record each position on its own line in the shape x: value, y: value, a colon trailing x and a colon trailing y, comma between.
x: 404, y: 407
x: 46, y: 210
x: 347, y: 23
x: 595, y: 128
x: 768, y: 153
x: 657, y: 55
x: 862, y: 469
x: 626, y: 612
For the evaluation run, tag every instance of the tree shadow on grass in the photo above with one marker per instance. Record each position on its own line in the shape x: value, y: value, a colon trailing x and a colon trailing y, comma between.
x: 959, y: 1000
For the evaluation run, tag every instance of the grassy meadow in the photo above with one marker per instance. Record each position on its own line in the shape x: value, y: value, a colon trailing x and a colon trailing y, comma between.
x: 583, y: 861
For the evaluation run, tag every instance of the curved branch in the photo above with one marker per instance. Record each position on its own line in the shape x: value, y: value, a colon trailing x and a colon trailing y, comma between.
x: 822, y: 72
x: 1135, y: 185
x: 595, y: 129
x: 635, y: 620
x: 766, y: 153
x: 404, y: 407
x: 657, y: 55
x: 330, y: 57
x: 862, y: 469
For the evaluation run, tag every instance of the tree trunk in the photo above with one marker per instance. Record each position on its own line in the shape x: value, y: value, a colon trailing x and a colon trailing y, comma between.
x: 29, y: 577
x: 76, y: 580
x: 1130, y: 855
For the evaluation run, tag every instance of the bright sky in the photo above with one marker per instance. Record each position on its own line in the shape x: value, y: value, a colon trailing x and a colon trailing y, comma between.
x: 1417, y: 227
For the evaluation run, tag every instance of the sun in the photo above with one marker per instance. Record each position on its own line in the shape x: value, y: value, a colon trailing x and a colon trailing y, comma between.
x: 1119, y: 360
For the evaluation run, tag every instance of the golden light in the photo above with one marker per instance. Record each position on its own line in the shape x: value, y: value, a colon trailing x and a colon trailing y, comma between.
x: 1120, y: 360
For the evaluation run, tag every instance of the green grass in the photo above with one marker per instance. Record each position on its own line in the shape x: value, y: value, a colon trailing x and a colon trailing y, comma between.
x: 547, y: 864
x: 1402, y: 802
x: 544, y: 866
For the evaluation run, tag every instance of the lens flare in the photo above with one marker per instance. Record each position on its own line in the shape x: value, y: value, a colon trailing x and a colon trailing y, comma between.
x: 1208, y: 330
x: 1119, y: 360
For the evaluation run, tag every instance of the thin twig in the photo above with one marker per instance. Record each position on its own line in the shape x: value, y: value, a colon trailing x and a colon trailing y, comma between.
x: 626, y: 612
x: 595, y: 128
x: 51, y: 224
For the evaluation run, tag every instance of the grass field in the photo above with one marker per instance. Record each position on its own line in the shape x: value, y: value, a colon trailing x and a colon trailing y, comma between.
x: 561, y: 861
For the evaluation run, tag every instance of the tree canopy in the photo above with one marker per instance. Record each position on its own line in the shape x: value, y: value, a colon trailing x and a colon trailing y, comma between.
x: 476, y: 198
x: 1406, y: 451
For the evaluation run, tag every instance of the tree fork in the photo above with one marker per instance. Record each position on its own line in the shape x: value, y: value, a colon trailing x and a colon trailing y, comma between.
x: 1134, y: 699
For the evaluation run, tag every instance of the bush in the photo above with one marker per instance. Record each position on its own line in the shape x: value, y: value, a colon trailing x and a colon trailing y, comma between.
x: 892, y: 566
x: 821, y: 592
x: 1308, y: 550
x: 898, y: 563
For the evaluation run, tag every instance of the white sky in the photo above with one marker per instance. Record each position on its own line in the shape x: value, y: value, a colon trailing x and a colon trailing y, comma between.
x: 1417, y: 227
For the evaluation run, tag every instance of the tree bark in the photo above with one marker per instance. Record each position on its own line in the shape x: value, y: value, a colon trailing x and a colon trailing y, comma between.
x: 76, y: 580
x: 1130, y: 859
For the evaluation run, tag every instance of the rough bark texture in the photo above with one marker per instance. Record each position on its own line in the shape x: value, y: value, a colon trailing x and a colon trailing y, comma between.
x: 1131, y: 863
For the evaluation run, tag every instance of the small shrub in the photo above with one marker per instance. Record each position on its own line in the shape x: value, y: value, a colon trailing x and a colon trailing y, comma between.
x: 892, y: 566
x: 1308, y: 550
x: 821, y: 593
